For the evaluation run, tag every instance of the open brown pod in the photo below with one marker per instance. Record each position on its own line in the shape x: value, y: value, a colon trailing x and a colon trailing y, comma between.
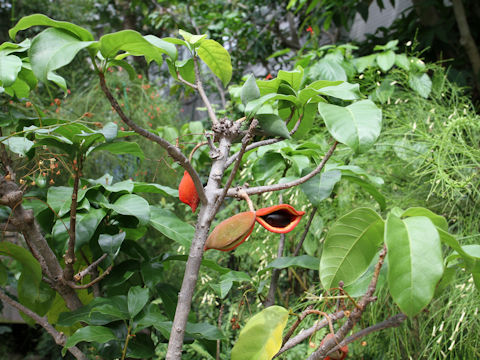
x: 187, y: 192
x: 231, y: 232
x: 279, y: 218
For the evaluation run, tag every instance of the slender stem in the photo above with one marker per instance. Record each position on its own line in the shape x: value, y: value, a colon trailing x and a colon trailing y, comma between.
x: 89, y: 268
x: 59, y: 337
x: 172, y: 150
x: 127, y: 339
x: 219, y: 325
x: 305, y: 232
x: 202, y: 94
x: 93, y: 282
x: 290, y: 184
x: 70, y: 254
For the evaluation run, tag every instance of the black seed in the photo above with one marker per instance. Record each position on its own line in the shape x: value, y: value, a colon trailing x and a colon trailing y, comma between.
x: 279, y: 219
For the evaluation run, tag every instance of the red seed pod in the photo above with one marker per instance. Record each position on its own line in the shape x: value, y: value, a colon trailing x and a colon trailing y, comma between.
x: 187, y: 192
x: 231, y: 232
x: 340, y: 354
x: 279, y: 218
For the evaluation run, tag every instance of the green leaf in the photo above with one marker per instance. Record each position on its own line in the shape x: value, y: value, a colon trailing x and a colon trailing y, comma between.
x: 303, y: 261
x: 190, y: 38
x: 121, y: 147
x: 273, y: 125
x: 253, y: 106
x: 85, y: 228
x: 204, y: 331
x: 35, y: 296
x: 10, y: 66
x: 344, y: 91
x: 349, y: 247
x: 3, y: 274
x: 217, y: 59
x: 364, y: 62
x: 267, y: 166
x: 422, y: 84
x: 137, y: 298
x: 437, y: 220
x: 111, y: 244
x: 250, y: 90
x: 320, y: 186
x: 415, y: 262
x: 401, y: 60
x: 133, y: 43
x: 357, y: 125
x: 171, y: 226
x: 386, y: 60
x: 141, y: 347
x: 368, y: 187
x: 222, y: 288
x: 59, y: 198
x: 261, y: 338
x: 293, y: 78
x: 132, y: 205
x: 99, y: 334
x: 165, y: 46
x: 16, y: 144
x: 30, y: 266
x: 141, y: 187
x: 39, y: 19
x: 327, y: 69
x: 52, y: 49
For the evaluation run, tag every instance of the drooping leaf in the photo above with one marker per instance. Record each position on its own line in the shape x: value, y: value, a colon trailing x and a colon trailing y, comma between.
x: 17, y: 144
x: 137, y: 298
x: 191, y: 38
x: 133, y: 43
x: 415, y: 262
x: 320, y: 186
x: 250, y: 90
x: 217, y: 59
x: 121, y: 147
x: 293, y: 78
x: 368, y: 187
x: 327, y: 69
x: 261, y: 338
x: 349, y: 247
x: 10, y: 66
x: 253, y: 106
x: 99, y: 334
x: 141, y: 187
x: 132, y: 205
x: 111, y: 244
x: 166, y: 46
x: 273, y: 125
x: 171, y: 226
x: 437, y: 220
x: 357, y: 126
x: 52, y: 49
x: 42, y: 20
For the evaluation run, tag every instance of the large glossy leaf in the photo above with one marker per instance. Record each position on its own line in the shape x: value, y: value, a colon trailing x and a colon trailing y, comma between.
x: 131, y: 42
x: 357, y: 126
x: 250, y: 90
x: 120, y: 147
x: 30, y: 266
x: 141, y: 187
x: 273, y: 125
x: 261, y: 338
x: 415, y: 262
x: 52, y: 49
x: 110, y: 244
x: 59, y: 198
x: 171, y: 226
x: 137, y: 298
x: 217, y: 59
x: 255, y: 105
x: 10, y: 66
x: 99, y: 334
x: 437, y: 220
x: 86, y: 225
x: 39, y: 19
x: 141, y: 347
x: 132, y: 205
x: 165, y: 46
x: 327, y: 69
x: 17, y: 144
x: 293, y: 78
x: 35, y: 296
x: 349, y: 247
x: 320, y: 186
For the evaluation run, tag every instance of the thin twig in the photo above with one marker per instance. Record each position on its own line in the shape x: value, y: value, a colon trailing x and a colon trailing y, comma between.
x: 305, y: 232
x: 79, y: 276
x: 305, y: 334
x: 201, y: 92
x: 93, y: 282
x: 70, y: 254
x: 182, y: 80
x: 219, y: 325
x: 172, y: 150
x: 59, y: 337
x: 290, y: 184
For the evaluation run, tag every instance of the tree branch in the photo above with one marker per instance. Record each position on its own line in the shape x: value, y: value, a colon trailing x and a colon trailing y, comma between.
x: 79, y: 276
x: 93, y: 282
x: 287, y: 185
x: 59, y: 338
x: 201, y: 92
x: 329, y: 344
x: 172, y: 150
x: 305, y: 232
